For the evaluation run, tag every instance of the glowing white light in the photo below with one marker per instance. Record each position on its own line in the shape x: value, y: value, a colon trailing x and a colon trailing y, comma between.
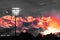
x: 15, y: 11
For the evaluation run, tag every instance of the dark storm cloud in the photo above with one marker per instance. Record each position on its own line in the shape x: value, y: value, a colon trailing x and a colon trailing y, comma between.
x: 31, y: 7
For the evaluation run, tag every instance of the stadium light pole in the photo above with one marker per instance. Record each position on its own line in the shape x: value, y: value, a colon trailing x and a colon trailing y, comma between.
x: 15, y: 12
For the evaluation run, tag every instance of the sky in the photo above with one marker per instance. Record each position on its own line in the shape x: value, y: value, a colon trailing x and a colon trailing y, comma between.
x: 31, y: 7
